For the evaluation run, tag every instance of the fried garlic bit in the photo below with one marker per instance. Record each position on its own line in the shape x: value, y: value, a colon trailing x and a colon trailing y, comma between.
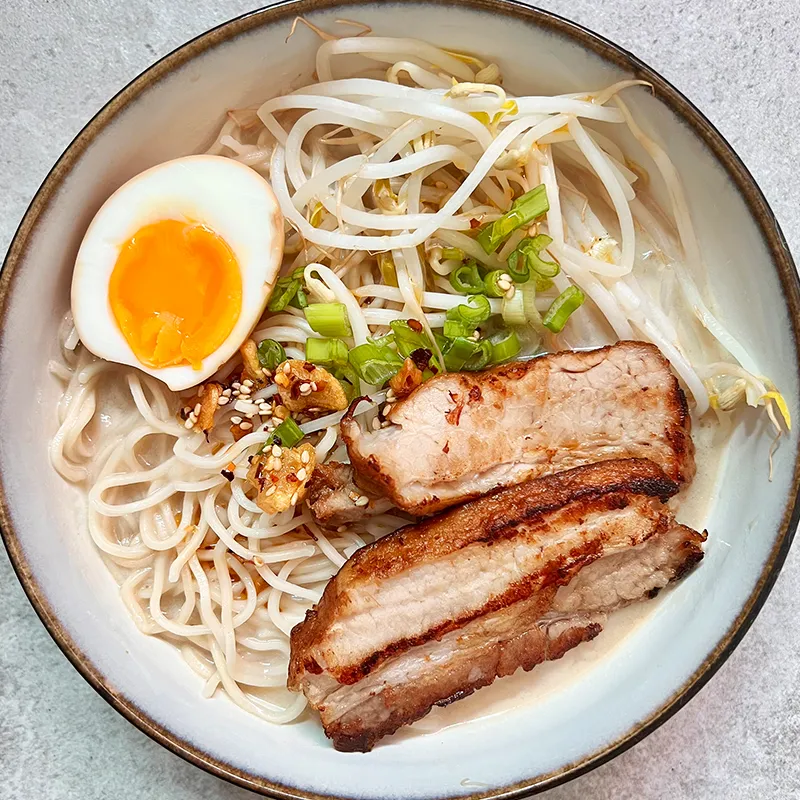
x: 251, y: 366
x: 306, y: 387
x: 406, y: 380
x: 280, y: 475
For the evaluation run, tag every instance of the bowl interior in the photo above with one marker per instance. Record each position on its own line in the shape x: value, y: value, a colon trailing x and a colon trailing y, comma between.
x: 579, y: 707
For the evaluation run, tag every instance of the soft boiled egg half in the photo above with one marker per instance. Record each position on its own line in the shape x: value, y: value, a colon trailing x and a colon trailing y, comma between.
x: 176, y: 268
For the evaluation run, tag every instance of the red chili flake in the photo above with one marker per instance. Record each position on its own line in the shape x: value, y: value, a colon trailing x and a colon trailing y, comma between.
x: 308, y: 366
x: 446, y: 448
x: 475, y: 394
x: 474, y: 223
x: 227, y: 474
x: 454, y: 416
x: 415, y: 325
x: 292, y: 478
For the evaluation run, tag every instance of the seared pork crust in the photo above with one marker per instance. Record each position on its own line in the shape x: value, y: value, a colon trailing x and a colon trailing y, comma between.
x: 540, y: 628
x: 334, y: 498
x: 433, y: 577
x: 463, y: 434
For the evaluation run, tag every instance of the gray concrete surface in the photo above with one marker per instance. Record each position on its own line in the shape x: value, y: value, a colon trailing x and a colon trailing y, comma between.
x: 738, y: 60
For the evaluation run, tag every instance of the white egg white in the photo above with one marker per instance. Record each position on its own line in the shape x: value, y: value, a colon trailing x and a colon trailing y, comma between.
x: 229, y: 198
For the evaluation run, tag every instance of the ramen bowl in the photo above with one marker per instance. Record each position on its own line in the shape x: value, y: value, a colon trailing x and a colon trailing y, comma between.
x: 537, y: 729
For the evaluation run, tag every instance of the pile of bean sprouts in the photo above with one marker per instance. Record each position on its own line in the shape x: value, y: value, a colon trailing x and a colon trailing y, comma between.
x: 403, y: 156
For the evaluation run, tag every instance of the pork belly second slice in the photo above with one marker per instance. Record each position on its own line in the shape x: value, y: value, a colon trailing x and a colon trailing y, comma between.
x: 441, y: 608
x: 463, y: 434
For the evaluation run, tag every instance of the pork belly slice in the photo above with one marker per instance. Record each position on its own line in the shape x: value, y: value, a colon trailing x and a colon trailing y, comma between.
x: 454, y: 573
x: 463, y: 434
x: 540, y: 628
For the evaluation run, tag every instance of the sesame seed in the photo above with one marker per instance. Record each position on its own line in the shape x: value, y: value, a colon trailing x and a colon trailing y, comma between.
x: 504, y: 277
x: 226, y: 392
x: 277, y: 464
x: 270, y: 491
x: 376, y: 424
x: 236, y: 420
x: 187, y: 409
x: 341, y: 528
x: 362, y: 501
x: 503, y: 285
x: 192, y: 416
x: 510, y: 293
x: 223, y: 401
x: 301, y: 474
x: 248, y: 383
x: 270, y: 463
x: 293, y: 501
x: 391, y: 396
x: 277, y: 451
x: 313, y: 386
x: 287, y: 368
x: 236, y: 385
x: 245, y: 390
x: 197, y: 408
x: 246, y: 426
x: 386, y: 409
x: 305, y: 457
x: 354, y: 496
x: 385, y: 423
x: 189, y: 424
x: 305, y: 388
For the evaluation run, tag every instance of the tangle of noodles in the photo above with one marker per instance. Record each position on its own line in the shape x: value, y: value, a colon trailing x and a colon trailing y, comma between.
x: 402, y: 158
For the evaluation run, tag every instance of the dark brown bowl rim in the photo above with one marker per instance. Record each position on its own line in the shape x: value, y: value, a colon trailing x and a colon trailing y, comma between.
x: 683, y: 108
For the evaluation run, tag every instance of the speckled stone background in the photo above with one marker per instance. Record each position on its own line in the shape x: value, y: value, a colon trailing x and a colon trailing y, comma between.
x: 60, y: 60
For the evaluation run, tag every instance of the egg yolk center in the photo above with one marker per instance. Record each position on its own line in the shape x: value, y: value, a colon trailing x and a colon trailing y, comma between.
x: 176, y: 293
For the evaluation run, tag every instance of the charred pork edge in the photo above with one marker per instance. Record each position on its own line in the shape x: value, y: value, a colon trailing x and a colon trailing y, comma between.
x: 584, y: 630
x: 317, y: 620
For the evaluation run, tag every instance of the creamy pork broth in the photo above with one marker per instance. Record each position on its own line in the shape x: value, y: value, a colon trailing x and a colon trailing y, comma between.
x: 416, y: 217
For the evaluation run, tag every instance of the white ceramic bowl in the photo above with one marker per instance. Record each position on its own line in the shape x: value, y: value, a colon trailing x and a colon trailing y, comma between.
x: 607, y: 703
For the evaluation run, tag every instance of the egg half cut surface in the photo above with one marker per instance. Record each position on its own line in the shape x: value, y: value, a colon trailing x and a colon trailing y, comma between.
x: 176, y: 268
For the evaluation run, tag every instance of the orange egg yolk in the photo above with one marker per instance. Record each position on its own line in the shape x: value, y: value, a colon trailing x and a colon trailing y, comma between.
x: 176, y: 293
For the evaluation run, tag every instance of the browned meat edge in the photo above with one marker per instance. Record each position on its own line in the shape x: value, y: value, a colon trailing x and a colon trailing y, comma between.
x: 402, y: 705
x: 606, y: 485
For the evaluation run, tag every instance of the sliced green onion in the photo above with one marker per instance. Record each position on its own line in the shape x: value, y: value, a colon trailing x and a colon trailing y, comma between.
x: 513, y: 309
x: 287, y: 434
x: 517, y: 266
x: 454, y: 328
x: 531, y: 248
x: 562, y: 307
x: 466, y: 279
x: 328, y: 319
x: 349, y: 381
x: 505, y: 346
x: 528, y: 291
x: 407, y: 339
x: 270, y: 354
x: 387, y: 268
x: 326, y: 351
x: 475, y: 311
x: 524, y: 210
x: 282, y: 295
x: 374, y: 363
x: 300, y: 300
x: 452, y: 254
x: 491, y: 282
x: 462, y: 353
x: 542, y: 284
